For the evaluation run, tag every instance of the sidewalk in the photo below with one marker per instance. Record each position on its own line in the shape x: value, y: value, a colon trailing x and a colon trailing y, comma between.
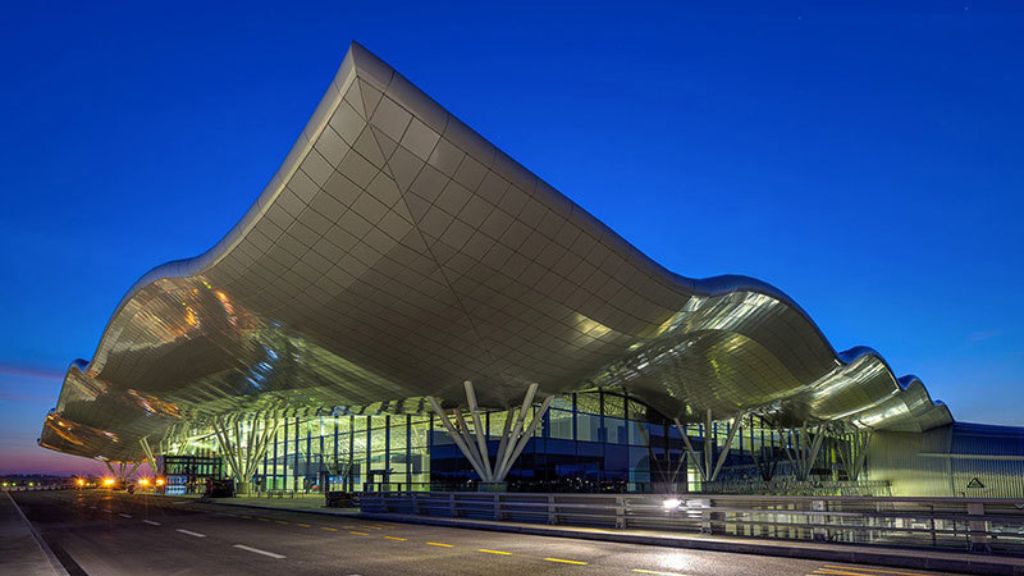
x: 942, y: 561
x: 21, y: 552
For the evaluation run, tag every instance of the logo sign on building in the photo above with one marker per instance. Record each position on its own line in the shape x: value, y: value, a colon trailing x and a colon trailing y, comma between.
x: 975, y: 483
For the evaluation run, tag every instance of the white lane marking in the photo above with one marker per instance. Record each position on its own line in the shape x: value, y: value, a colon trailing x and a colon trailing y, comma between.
x: 92, y: 507
x: 123, y: 515
x: 151, y: 522
x: 191, y: 533
x: 258, y: 551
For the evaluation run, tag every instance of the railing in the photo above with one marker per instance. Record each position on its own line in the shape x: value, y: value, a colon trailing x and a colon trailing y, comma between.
x: 977, y: 525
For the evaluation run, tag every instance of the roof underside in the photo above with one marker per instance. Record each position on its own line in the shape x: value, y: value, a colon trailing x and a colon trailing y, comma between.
x: 397, y: 253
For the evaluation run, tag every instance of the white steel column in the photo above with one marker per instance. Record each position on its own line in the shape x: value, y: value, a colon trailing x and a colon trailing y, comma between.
x: 711, y: 466
x: 243, y: 461
x: 515, y: 433
x: 150, y: 457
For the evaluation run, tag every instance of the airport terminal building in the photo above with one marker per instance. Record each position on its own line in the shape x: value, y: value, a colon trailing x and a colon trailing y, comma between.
x: 405, y: 307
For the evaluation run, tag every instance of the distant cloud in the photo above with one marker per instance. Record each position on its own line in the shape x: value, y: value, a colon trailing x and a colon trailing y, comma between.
x: 26, y: 371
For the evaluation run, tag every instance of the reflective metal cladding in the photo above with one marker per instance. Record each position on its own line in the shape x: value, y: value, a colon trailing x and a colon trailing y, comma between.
x: 396, y: 253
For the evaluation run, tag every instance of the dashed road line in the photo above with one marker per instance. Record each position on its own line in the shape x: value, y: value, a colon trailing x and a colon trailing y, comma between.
x: 497, y: 552
x: 358, y: 533
x: 191, y: 533
x: 564, y: 561
x: 123, y: 515
x: 151, y: 522
x: 301, y: 525
x: 395, y: 538
x: 656, y: 573
x: 440, y: 544
x: 258, y: 551
x: 282, y: 522
x: 328, y: 529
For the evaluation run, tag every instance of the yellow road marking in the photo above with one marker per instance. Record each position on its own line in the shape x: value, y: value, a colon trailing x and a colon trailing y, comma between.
x: 357, y: 533
x: 838, y: 572
x: 263, y: 519
x: 282, y: 522
x: 440, y: 544
x: 395, y: 538
x: 303, y: 525
x: 498, y: 552
x: 656, y: 573
x: 328, y: 528
x: 564, y: 561
x: 880, y: 571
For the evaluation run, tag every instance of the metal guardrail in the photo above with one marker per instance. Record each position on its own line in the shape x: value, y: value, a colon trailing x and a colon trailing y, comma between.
x: 976, y: 525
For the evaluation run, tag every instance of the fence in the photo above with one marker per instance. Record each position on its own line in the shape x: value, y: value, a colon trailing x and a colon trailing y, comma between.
x: 977, y: 525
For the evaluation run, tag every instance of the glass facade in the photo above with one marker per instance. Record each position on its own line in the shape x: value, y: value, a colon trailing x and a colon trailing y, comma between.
x: 587, y: 442
x: 595, y: 441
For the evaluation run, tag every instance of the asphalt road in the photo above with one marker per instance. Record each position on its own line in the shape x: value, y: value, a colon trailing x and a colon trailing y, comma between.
x: 99, y: 533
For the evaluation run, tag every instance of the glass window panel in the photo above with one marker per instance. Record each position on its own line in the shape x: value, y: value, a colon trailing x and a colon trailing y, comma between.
x: 588, y: 402
x: 588, y: 428
x: 615, y: 430
x: 637, y: 411
x: 560, y: 424
x: 636, y: 436
x: 562, y: 402
x: 496, y: 424
x: 614, y: 405
x: 398, y: 440
x: 378, y: 440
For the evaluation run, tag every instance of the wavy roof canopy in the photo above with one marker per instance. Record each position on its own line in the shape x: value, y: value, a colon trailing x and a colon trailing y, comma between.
x: 397, y: 253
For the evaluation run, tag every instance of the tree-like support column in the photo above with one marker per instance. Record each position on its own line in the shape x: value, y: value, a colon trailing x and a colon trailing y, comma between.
x: 803, y: 457
x: 710, y: 467
x: 150, y: 457
x: 853, y: 452
x: 243, y: 441
x: 514, y: 436
x: 124, y: 470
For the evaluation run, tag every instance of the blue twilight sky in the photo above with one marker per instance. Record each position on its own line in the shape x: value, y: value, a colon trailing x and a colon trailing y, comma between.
x: 868, y: 160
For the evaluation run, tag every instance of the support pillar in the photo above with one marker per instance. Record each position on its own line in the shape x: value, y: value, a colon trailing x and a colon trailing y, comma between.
x: 515, y: 435
x: 150, y: 457
x: 243, y: 449
x: 711, y: 466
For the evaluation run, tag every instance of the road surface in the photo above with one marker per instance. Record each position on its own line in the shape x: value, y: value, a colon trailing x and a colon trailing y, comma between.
x: 112, y: 534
